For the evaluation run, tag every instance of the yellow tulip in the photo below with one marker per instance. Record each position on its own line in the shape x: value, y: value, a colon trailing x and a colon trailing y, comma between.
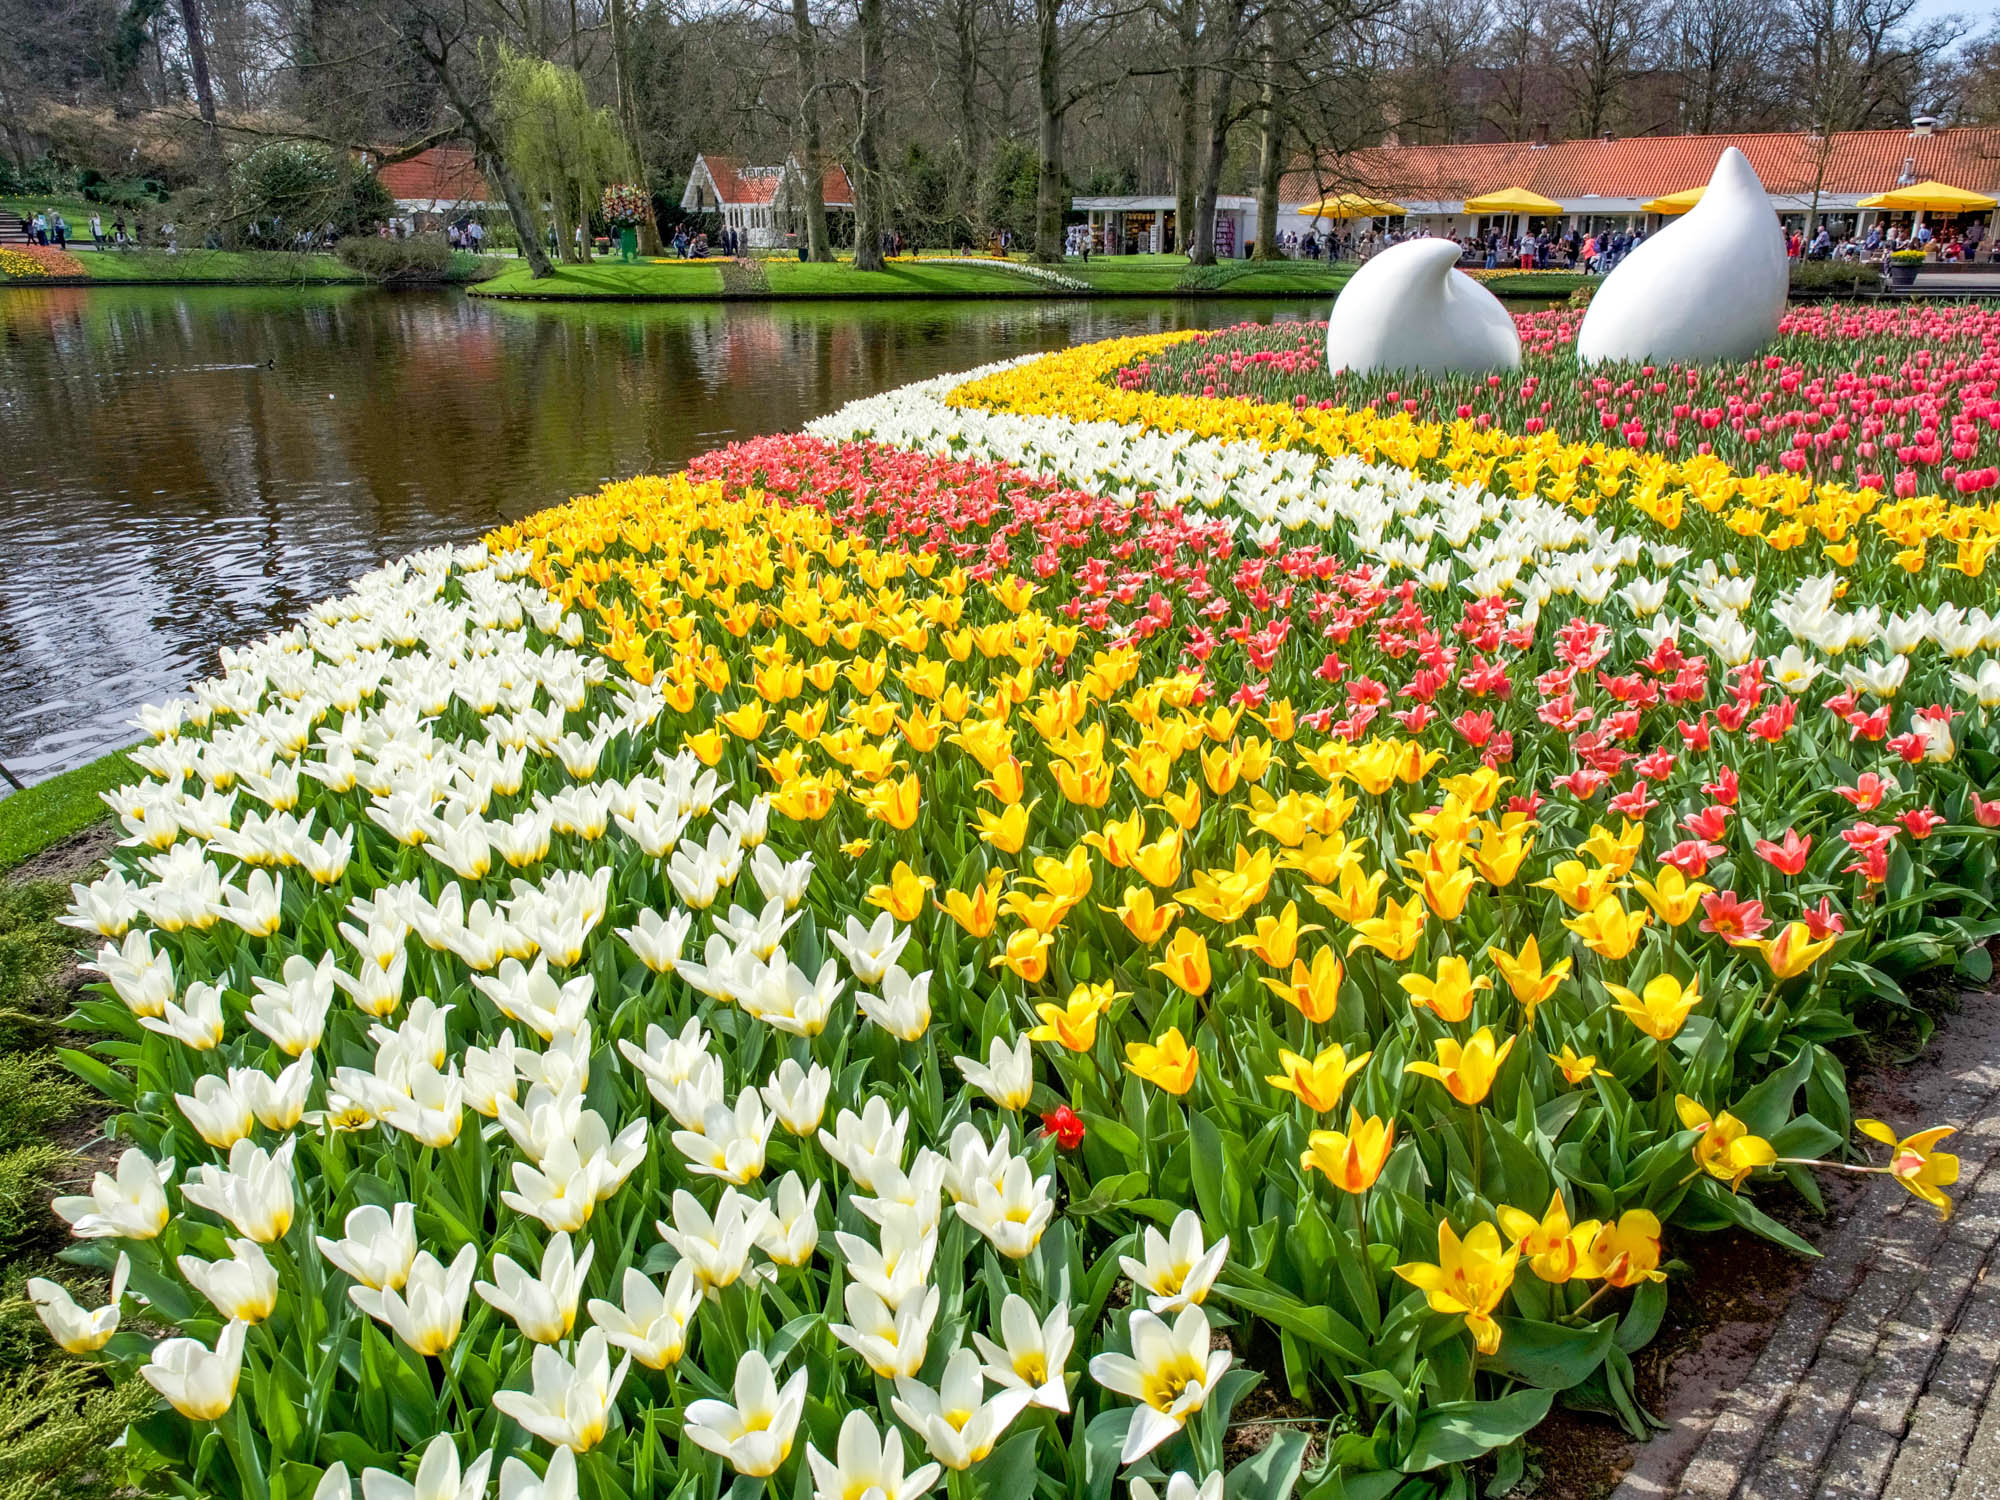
x: 1450, y: 995
x: 707, y: 745
x: 1183, y: 807
x: 1006, y: 830
x: 1394, y: 934
x: 1724, y: 1147
x: 894, y: 802
x: 1313, y: 992
x: 1575, y: 1069
x: 1169, y: 1063
x: 1673, y: 897
x: 1607, y: 929
x: 1119, y: 840
x: 1616, y: 853
x: 1469, y: 1279
x: 1351, y: 1159
x: 1144, y: 918
x: 1662, y: 1009
x: 1557, y: 1250
x: 1276, y: 940
x: 1525, y: 976
x: 1073, y: 1024
x: 903, y: 895
x: 978, y: 910
x: 1627, y: 1252
x: 1159, y: 863
x: 1466, y: 1071
x: 1026, y: 954
x: 1354, y: 898
x: 1915, y: 1165
x: 1185, y: 962
x: 1317, y: 1082
x: 1791, y: 952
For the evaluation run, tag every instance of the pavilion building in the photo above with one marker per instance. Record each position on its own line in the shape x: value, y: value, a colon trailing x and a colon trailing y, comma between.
x: 1596, y: 184
x: 766, y: 205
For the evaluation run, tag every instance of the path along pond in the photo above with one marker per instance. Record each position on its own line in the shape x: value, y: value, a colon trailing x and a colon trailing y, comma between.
x: 184, y: 469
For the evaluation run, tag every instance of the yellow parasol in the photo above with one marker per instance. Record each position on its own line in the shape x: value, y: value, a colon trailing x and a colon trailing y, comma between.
x: 1930, y: 197
x: 1351, y: 206
x: 1676, y: 203
x: 1512, y: 201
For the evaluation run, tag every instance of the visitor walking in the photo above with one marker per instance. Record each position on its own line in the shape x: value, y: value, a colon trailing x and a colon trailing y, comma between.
x: 59, y: 227
x: 96, y: 232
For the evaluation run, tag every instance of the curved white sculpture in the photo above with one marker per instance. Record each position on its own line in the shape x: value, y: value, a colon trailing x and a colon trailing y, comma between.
x: 1709, y: 287
x: 1407, y: 309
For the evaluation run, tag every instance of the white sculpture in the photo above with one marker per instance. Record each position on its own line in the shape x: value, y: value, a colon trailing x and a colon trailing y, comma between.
x: 1407, y: 309
x: 1709, y: 287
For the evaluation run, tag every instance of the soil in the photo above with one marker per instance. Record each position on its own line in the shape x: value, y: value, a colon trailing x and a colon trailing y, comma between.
x: 68, y: 859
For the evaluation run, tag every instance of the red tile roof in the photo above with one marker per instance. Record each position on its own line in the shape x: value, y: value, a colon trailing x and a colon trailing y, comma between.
x: 446, y: 174
x: 737, y: 185
x: 1862, y: 161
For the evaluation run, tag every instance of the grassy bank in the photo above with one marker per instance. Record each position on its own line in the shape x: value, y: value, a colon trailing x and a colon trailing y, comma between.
x: 941, y: 276
x: 945, y: 276
x: 224, y: 268
x: 50, y: 811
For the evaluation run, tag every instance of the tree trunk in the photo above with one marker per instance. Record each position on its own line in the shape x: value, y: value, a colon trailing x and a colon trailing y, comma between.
x: 204, y: 90
x: 1187, y: 99
x: 1271, y: 156
x: 1218, y: 134
x: 868, y: 220
x: 812, y: 169
x: 628, y: 120
x: 971, y: 137
x: 492, y: 161
x: 1049, y: 131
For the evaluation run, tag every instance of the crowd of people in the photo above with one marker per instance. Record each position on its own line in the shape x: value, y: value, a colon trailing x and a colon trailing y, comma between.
x: 1949, y: 243
x: 49, y: 227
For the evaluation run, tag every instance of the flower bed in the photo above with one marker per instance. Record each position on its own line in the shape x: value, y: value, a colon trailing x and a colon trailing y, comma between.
x: 1900, y: 398
x: 943, y: 950
x: 37, y: 263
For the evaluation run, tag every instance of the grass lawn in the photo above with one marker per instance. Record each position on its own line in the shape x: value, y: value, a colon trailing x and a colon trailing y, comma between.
x: 951, y: 276
x: 211, y: 265
x: 50, y: 811
x: 941, y: 277
x: 931, y: 276
x: 75, y: 210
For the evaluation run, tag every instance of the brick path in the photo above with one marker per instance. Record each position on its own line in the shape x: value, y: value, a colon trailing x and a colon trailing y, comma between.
x: 1878, y: 1379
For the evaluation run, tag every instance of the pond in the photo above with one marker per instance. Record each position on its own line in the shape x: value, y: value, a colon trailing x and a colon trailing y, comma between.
x: 182, y: 469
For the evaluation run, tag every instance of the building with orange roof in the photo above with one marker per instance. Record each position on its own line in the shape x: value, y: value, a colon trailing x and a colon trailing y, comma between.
x: 1597, y: 184
x: 764, y: 204
x: 436, y: 185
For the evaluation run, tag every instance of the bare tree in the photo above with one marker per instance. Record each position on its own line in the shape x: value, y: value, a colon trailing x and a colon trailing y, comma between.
x: 1600, y: 47
x: 1725, y: 56
x: 805, y: 64
x: 869, y: 224
x: 204, y: 90
x: 1855, y: 65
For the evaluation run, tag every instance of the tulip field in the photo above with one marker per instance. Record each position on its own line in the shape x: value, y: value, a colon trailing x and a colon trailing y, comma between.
x: 945, y: 951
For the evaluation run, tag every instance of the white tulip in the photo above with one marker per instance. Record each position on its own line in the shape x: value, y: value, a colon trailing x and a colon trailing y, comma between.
x: 753, y: 1434
x: 379, y: 1248
x: 198, y: 1383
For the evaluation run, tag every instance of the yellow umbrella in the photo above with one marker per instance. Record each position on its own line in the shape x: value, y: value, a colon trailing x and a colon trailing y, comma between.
x: 1676, y: 203
x: 1351, y: 206
x: 1930, y: 197
x: 1512, y: 201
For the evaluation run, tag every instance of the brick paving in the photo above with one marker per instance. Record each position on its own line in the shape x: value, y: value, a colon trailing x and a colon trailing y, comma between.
x: 1878, y: 1380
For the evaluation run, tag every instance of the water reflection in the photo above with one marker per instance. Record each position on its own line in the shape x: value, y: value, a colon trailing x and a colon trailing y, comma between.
x: 185, y: 469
